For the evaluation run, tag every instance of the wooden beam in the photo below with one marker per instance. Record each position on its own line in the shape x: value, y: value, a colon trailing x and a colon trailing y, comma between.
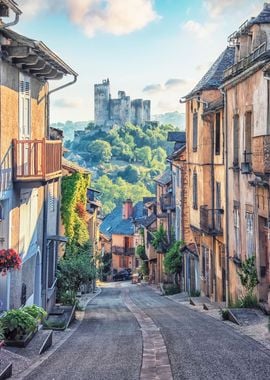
x: 30, y: 60
x: 17, y: 51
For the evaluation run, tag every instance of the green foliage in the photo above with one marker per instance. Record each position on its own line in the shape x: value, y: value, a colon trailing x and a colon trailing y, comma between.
x: 100, y: 150
x: 195, y: 293
x: 104, y: 266
x: 171, y: 289
x: 17, y: 323
x: 246, y: 301
x: 144, y: 268
x: 248, y: 275
x: 36, y: 312
x: 140, y: 252
x: 224, y: 314
x: 174, y: 259
x: 74, y: 189
x: 74, y: 270
x: 54, y: 324
x: 160, y: 240
x: 2, y: 332
x: 113, y: 193
x: 135, y: 153
x: 131, y: 174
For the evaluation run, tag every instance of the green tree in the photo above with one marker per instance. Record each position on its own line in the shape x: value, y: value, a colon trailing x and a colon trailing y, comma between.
x: 144, y: 155
x: 131, y: 174
x: 173, y: 261
x: 100, y: 150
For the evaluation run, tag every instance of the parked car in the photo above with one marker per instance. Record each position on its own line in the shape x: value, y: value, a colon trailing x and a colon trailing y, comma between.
x: 122, y: 275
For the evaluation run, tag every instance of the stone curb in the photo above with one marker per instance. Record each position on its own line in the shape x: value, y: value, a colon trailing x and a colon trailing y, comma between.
x: 23, y: 375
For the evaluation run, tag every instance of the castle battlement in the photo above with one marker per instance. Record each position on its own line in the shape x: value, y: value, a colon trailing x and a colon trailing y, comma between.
x: 120, y: 110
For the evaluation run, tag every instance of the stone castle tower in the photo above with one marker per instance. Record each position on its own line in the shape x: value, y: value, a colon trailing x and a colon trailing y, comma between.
x: 119, y: 111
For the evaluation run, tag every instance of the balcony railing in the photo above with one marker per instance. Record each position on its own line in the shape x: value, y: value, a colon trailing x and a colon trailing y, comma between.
x: 36, y: 160
x: 123, y: 251
x: 261, y: 154
x: 211, y: 221
x: 244, y: 63
x: 167, y: 202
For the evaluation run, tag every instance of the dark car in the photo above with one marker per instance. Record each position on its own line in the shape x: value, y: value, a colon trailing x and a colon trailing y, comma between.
x: 122, y: 275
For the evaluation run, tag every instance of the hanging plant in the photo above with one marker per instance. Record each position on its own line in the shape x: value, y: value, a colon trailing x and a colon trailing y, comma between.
x: 9, y: 259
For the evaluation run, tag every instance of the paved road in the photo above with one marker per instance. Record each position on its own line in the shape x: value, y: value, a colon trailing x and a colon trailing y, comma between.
x: 108, y: 344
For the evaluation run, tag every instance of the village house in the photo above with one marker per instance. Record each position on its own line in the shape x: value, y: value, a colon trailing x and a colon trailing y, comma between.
x: 30, y: 165
x: 206, y: 174
x: 190, y: 281
x: 119, y: 228
x: 247, y: 129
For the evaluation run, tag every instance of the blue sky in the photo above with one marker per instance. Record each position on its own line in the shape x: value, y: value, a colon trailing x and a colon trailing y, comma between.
x: 157, y: 50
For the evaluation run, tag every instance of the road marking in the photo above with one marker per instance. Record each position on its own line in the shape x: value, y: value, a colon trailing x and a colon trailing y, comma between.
x: 155, y: 363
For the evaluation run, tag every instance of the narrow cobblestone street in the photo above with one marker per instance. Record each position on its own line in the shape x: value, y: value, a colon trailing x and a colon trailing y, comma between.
x: 131, y: 332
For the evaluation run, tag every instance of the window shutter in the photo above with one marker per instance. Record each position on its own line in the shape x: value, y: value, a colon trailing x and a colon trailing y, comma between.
x: 195, y: 131
x: 195, y: 191
x: 24, y: 106
x: 236, y: 140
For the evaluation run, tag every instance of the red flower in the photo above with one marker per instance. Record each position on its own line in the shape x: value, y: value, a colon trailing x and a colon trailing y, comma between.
x: 9, y: 259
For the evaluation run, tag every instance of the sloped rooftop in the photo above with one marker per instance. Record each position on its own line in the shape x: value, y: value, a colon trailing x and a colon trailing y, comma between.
x: 263, y: 17
x: 114, y: 223
x: 165, y: 178
x: 213, y: 78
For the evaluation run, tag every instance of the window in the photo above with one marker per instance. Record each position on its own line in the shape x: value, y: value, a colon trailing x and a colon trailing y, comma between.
x: 24, y: 106
x: 248, y: 136
x: 249, y: 234
x: 236, y: 140
x: 236, y: 220
x: 195, y: 132
x: 217, y: 134
x: 195, y: 191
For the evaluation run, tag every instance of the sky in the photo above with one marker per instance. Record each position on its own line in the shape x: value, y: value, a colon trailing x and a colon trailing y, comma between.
x: 152, y: 49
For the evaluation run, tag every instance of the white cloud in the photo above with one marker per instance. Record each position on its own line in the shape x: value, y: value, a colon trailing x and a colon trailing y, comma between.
x: 200, y: 30
x: 117, y: 17
x: 217, y: 7
x: 68, y: 103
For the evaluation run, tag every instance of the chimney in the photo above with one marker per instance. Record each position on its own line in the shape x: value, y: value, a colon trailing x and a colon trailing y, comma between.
x: 127, y: 209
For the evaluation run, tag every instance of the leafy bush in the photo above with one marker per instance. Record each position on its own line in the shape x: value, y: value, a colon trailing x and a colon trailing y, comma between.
x: 2, y: 332
x: 173, y: 259
x: 36, y: 312
x: 249, y: 280
x: 224, y: 314
x: 171, y: 289
x: 195, y: 293
x: 160, y: 240
x: 17, y: 323
x: 73, y: 271
x: 54, y: 324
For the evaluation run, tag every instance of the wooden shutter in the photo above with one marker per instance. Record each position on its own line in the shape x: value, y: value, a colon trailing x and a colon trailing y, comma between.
x: 217, y: 142
x: 248, y: 135
x: 195, y: 131
x: 24, y: 106
x: 236, y: 140
x: 195, y: 191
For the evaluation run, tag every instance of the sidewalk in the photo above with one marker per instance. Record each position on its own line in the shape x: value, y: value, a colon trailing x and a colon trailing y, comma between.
x: 21, y: 364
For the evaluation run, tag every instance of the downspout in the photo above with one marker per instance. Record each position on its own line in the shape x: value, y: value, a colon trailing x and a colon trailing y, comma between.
x: 227, y: 274
x: 12, y: 23
x: 45, y: 251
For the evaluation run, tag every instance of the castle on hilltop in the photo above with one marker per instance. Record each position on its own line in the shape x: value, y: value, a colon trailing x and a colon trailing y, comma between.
x: 119, y: 111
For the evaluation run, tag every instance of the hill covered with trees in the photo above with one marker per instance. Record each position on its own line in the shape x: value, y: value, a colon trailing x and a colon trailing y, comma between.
x: 124, y: 160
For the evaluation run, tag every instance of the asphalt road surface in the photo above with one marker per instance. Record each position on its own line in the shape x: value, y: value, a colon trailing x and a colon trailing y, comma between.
x: 108, y: 345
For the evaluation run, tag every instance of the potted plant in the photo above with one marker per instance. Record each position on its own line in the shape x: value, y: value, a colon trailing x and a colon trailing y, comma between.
x: 9, y: 259
x: 37, y: 312
x: 19, y: 327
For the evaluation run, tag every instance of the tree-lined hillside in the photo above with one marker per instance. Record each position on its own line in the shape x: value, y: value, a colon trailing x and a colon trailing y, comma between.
x: 124, y: 159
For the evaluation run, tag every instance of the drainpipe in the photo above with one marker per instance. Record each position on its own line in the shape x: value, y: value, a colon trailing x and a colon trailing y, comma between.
x: 226, y: 198
x: 12, y: 23
x: 213, y: 206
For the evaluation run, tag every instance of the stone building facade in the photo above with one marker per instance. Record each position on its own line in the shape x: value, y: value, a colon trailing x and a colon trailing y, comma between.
x: 121, y: 110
